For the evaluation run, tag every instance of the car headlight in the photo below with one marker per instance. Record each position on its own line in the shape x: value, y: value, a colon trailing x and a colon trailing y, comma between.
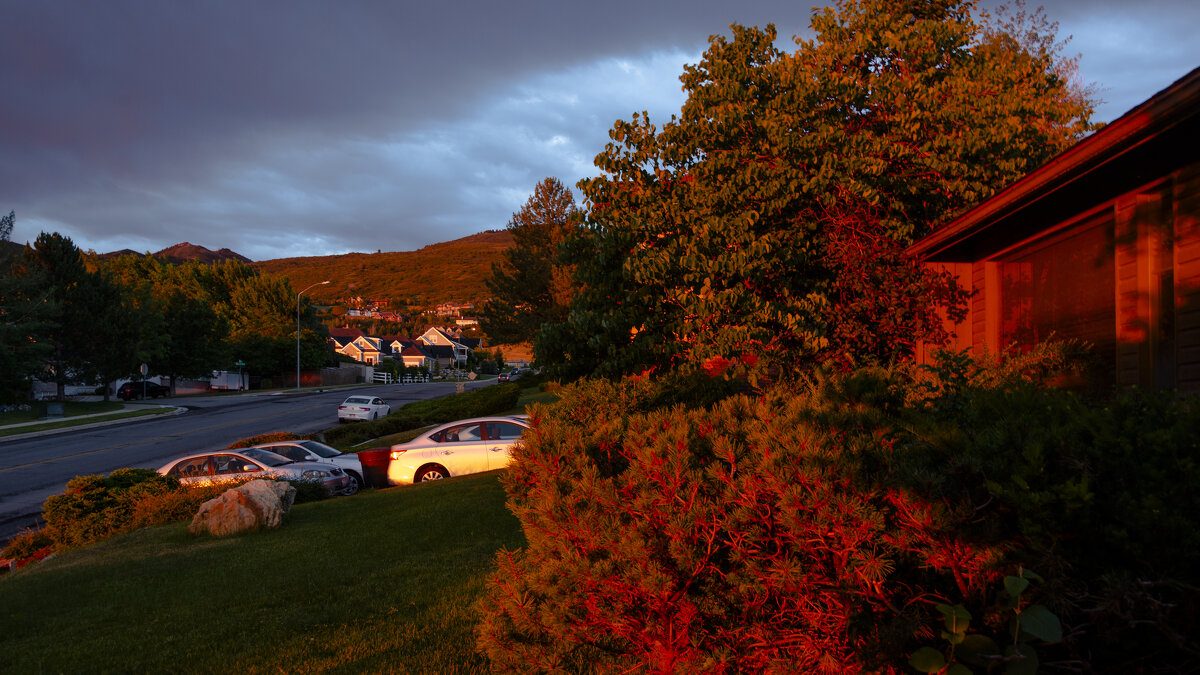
x: 316, y: 473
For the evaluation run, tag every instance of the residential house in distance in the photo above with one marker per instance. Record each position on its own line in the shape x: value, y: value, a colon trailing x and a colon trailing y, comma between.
x: 340, y: 338
x: 453, y: 308
x: 1101, y: 244
x: 407, y: 351
x: 445, y: 347
x: 357, y: 345
x: 443, y: 339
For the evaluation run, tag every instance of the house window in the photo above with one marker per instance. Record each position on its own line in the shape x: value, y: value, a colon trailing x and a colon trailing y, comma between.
x: 1063, y: 285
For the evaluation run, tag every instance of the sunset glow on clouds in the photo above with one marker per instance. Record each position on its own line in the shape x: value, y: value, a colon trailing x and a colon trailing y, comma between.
x: 308, y: 128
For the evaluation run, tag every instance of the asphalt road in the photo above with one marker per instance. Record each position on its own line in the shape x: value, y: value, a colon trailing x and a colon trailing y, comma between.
x: 33, y: 468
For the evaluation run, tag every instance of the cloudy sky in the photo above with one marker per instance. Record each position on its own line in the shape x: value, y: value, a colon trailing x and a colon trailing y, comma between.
x: 299, y: 128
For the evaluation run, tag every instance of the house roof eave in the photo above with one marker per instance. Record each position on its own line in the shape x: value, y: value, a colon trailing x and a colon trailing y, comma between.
x: 1164, y: 110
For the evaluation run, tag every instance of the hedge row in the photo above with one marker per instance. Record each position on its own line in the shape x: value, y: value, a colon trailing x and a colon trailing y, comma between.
x: 96, y: 507
x: 491, y: 400
x: 876, y: 521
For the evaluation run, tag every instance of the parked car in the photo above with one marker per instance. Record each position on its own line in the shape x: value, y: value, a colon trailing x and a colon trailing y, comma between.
x: 134, y: 390
x: 456, y: 449
x: 314, y: 451
x: 248, y: 463
x: 362, y: 408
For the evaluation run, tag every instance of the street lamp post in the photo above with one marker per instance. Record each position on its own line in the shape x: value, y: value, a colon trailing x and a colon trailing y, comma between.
x: 319, y: 283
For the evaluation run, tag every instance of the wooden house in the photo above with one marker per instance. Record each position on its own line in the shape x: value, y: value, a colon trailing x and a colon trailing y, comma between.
x: 1101, y: 244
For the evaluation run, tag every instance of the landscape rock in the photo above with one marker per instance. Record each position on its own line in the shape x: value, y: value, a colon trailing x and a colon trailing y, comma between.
x: 253, y: 505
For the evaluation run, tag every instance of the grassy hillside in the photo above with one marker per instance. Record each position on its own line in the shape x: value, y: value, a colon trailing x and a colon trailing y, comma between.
x: 381, y: 582
x: 452, y: 271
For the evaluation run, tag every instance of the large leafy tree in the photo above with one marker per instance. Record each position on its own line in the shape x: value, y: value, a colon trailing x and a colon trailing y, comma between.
x: 771, y: 214
x: 68, y: 325
x: 529, y: 287
x: 175, y: 314
x: 25, y: 308
x: 123, y: 330
x: 260, y: 313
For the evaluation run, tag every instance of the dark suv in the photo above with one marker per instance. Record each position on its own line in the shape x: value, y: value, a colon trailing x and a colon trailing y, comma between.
x: 132, y: 390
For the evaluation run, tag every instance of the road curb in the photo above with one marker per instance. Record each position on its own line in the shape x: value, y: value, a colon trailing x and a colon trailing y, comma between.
x: 91, y: 425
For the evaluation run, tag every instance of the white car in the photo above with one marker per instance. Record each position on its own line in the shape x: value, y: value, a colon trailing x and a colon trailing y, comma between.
x: 362, y: 408
x: 249, y: 463
x: 456, y: 449
x: 314, y: 451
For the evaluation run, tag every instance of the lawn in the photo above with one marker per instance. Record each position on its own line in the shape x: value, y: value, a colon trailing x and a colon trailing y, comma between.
x: 381, y: 582
x: 70, y: 409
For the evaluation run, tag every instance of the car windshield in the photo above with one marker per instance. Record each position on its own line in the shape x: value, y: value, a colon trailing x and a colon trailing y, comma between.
x: 358, y: 399
x: 320, y: 449
x: 268, y: 458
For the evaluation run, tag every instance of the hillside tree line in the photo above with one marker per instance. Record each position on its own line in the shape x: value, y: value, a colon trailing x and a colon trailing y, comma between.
x: 69, y: 317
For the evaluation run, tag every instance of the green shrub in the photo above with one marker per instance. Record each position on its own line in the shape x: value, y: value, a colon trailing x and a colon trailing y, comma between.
x: 815, y: 527
x: 264, y: 438
x: 309, y: 491
x: 489, y: 400
x: 95, y: 507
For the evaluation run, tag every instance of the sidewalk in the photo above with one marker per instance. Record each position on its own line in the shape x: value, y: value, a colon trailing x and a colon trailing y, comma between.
x: 76, y: 422
x: 200, y: 400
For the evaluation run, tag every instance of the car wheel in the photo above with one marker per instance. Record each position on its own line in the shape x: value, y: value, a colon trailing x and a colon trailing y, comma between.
x: 433, y: 472
x: 374, y: 416
x: 355, y: 484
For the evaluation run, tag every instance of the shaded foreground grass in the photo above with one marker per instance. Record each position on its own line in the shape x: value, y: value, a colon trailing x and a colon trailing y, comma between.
x: 384, y: 581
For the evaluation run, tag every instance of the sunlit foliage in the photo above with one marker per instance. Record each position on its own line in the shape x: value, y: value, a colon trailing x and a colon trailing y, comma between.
x: 790, y: 183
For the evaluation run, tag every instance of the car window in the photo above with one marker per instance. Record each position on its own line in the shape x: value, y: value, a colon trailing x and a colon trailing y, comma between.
x: 227, y: 464
x: 320, y: 449
x: 377, y: 401
x: 265, y: 457
x: 459, y: 434
x: 358, y: 399
x: 504, y: 431
x: 196, y: 466
x: 290, y: 451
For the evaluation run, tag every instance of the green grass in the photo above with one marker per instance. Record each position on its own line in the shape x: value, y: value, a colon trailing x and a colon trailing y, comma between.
x: 77, y: 421
x: 385, y: 581
x: 70, y: 409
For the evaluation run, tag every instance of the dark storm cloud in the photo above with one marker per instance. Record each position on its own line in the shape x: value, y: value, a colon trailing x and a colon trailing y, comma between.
x: 307, y: 128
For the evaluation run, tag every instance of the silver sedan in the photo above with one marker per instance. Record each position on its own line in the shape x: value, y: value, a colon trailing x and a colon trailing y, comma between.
x: 249, y: 463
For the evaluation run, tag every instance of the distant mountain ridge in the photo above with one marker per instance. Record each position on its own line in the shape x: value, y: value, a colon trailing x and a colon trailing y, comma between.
x: 453, y: 271
x: 181, y: 253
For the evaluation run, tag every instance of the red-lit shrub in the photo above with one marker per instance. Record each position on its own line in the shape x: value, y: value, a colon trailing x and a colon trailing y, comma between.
x: 816, y: 528
x: 723, y: 540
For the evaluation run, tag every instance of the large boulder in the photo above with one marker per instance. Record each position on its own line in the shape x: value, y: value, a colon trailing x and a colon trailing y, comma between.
x: 250, y: 506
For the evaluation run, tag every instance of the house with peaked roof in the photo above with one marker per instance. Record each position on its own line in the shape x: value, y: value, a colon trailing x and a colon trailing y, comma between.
x: 440, y: 338
x: 1100, y: 244
x: 369, y: 350
x: 414, y: 356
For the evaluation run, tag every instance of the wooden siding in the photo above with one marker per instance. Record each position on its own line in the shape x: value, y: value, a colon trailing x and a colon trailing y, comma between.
x: 1132, y: 312
x: 1187, y: 276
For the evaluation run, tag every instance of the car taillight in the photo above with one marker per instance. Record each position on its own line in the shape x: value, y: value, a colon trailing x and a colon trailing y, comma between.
x: 396, y: 453
x: 341, y: 407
